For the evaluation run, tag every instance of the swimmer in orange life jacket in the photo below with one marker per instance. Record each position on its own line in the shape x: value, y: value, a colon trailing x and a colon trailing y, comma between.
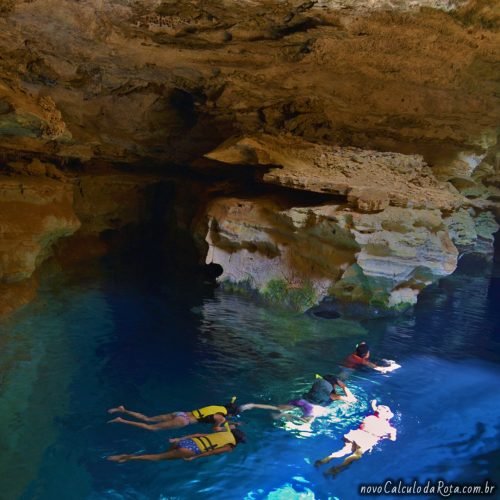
x: 361, y: 356
x: 193, y: 446
x: 215, y: 415
x: 373, y: 429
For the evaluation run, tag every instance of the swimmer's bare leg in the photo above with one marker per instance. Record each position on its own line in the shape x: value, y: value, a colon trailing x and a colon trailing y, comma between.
x: 171, y: 454
x: 283, y: 412
x: 337, y: 454
x: 257, y: 406
x: 140, y: 416
x: 347, y: 461
x: 173, y: 423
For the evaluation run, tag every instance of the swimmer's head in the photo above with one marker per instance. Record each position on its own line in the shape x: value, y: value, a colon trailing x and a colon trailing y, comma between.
x: 232, y: 408
x: 384, y: 412
x: 362, y: 350
x: 239, y: 436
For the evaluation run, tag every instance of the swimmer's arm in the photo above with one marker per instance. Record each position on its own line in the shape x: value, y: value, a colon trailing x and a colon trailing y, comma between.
x: 219, y: 420
x: 346, y: 399
x: 369, y: 364
x: 252, y: 406
x: 349, y: 396
x: 225, y: 449
x: 393, y: 434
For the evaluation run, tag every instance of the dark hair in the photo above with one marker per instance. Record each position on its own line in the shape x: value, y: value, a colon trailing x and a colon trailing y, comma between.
x: 232, y: 409
x: 239, y: 436
x: 362, y: 349
x: 332, y: 379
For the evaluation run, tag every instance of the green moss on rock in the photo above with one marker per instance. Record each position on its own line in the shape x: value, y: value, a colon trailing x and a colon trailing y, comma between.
x: 299, y: 298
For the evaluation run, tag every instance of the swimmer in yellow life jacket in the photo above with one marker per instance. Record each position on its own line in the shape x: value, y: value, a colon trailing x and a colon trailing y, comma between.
x: 193, y: 446
x: 215, y: 415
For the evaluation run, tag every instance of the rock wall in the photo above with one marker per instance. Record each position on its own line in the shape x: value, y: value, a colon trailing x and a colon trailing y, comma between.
x: 34, y: 214
x: 45, y: 212
x: 389, y: 110
x: 397, y: 230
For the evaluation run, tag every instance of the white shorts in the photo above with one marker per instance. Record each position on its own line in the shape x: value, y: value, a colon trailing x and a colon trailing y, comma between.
x: 363, y: 439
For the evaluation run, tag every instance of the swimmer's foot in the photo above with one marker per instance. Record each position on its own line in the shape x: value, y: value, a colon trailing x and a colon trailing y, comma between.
x: 333, y: 472
x: 118, y: 409
x: 321, y: 462
x: 116, y: 420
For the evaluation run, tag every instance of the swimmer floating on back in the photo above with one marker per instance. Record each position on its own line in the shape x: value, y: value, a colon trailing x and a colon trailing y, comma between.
x: 192, y: 447
x: 215, y: 415
x: 358, y: 441
x: 360, y: 357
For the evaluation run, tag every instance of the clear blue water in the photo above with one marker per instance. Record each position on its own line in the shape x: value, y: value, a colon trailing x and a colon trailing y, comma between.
x: 103, y: 338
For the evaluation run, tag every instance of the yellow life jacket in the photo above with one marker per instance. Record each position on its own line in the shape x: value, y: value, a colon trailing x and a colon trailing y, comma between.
x: 214, y: 441
x: 208, y: 411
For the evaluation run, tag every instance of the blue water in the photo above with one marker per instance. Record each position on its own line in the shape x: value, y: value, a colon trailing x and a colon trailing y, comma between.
x: 101, y: 338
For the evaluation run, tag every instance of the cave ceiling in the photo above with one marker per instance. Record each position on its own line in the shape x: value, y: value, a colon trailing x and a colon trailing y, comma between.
x: 167, y: 81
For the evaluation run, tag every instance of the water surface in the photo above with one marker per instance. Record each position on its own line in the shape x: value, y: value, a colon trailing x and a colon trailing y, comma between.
x: 104, y: 337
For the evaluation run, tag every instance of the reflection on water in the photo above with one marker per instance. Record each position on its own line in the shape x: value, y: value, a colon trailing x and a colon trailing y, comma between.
x: 87, y: 345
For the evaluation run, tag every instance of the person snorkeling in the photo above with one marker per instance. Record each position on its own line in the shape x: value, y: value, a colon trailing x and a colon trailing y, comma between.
x: 192, y: 447
x: 360, y: 358
x: 358, y: 441
x: 312, y: 404
x: 215, y: 415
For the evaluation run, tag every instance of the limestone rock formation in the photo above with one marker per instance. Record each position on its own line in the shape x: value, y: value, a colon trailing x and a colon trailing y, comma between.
x: 383, y: 259
x: 398, y: 229
x: 170, y: 80
x: 111, y: 201
x: 372, y: 180
x: 42, y: 210
x: 35, y: 212
x: 389, y: 110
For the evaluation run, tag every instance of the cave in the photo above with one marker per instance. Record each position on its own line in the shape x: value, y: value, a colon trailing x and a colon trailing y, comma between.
x: 221, y: 204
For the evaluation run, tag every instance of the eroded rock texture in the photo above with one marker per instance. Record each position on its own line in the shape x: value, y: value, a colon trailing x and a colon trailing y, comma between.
x: 383, y: 258
x: 34, y: 214
x: 168, y: 80
x: 389, y: 108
